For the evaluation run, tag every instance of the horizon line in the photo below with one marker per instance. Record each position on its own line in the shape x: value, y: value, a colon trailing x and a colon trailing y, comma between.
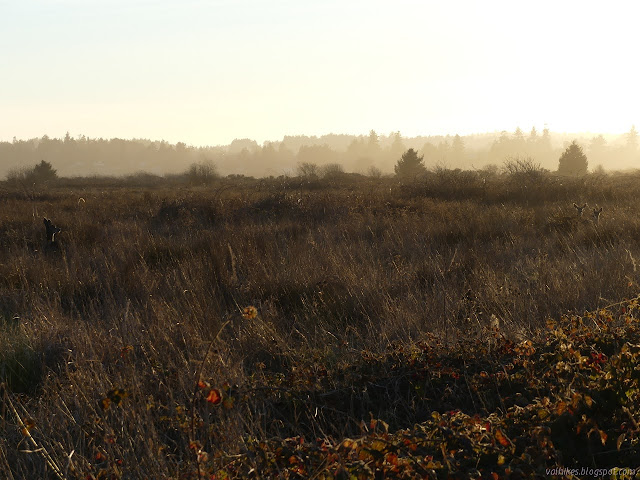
x: 14, y: 138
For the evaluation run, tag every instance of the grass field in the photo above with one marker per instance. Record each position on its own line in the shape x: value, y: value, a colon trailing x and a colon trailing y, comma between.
x: 466, y: 325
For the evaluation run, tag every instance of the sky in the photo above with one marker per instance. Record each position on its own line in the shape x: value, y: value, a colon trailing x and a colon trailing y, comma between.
x: 207, y: 72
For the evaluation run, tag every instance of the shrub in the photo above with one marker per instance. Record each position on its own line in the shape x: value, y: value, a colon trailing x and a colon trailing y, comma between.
x: 18, y: 175
x: 524, y: 168
x: 527, y: 180
x: 374, y: 172
x: 308, y: 170
x: 202, y: 173
x: 43, y: 172
x: 331, y: 171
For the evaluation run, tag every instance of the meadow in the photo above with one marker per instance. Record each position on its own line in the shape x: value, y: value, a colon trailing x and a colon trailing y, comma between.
x: 471, y: 324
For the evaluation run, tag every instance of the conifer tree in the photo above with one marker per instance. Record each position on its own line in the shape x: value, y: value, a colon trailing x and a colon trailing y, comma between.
x: 573, y: 161
x: 410, y: 165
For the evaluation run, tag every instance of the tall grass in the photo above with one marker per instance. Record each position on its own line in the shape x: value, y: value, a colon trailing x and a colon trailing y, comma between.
x: 145, y: 277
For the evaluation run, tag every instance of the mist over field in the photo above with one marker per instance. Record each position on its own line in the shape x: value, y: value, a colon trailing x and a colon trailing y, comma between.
x: 364, y: 154
x: 330, y: 240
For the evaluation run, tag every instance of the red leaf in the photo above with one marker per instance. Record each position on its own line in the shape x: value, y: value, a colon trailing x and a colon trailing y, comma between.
x: 214, y: 396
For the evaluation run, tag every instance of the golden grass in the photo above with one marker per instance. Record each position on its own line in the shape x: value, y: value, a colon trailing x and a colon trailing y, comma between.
x: 143, y: 279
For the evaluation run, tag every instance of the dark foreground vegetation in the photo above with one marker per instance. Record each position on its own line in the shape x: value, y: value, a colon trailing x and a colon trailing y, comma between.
x: 467, y: 325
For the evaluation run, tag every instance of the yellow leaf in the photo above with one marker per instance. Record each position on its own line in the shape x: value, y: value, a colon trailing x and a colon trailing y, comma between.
x: 603, y: 436
x: 348, y: 444
x: 249, y: 313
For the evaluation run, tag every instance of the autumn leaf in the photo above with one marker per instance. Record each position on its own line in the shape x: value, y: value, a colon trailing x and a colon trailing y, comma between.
x: 105, y: 403
x: 214, y: 396
x: 603, y: 436
x: 502, y: 438
x: 249, y: 313
x: 348, y: 444
x: 392, y: 458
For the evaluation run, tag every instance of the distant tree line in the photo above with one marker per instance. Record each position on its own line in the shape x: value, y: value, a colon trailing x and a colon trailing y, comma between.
x: 372, y: 154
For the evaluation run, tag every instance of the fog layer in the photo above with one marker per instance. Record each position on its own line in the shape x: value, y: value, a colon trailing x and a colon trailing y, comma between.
x: 83, y: 156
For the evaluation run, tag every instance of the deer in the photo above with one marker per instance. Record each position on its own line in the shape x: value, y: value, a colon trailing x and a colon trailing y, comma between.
x: 596, y: 214
x: 580, y: 209
x: 51, y: 231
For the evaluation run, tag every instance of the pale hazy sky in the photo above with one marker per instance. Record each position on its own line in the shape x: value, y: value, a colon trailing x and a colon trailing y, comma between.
x: 206, y: 72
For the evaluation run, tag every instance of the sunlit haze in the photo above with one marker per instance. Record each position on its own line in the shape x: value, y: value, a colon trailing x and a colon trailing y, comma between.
x: 207, y: 72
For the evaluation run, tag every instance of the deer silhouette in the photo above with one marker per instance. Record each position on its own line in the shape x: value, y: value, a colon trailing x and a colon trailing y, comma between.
x: 596, y: 214
x: 580, y: 209
x: 51, y: 231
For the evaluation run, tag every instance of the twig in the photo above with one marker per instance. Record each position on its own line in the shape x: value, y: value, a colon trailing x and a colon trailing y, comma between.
x: 37, y: 448
x: 195, y: 393
x: 633, y: 420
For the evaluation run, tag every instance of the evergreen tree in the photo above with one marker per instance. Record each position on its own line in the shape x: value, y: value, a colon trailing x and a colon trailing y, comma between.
x: 458, y: 150
x: 519, y: 142
x: 598, y: 150
x: 397, y: 147
x: 42, y: 173
x: 374, y: 143
x: 632, y: 140
x: 544, y: 150
x: 573, y: 161
x: 410, y: 165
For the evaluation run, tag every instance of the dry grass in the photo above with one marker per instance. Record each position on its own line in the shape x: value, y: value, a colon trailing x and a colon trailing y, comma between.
x: 143, y: 279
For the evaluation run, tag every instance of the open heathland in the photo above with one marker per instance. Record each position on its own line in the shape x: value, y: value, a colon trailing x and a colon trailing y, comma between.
x: 471, y: 324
